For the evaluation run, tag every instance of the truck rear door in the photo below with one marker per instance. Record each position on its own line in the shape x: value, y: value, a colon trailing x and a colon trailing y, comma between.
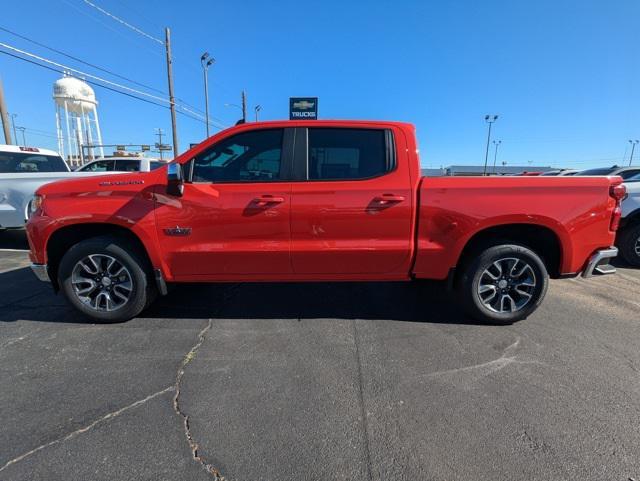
x: 351, y: 203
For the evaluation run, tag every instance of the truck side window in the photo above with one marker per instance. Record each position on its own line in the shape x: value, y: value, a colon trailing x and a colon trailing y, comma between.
x: 254, y: 156
x: 100, y: 166
x: 336, y: 154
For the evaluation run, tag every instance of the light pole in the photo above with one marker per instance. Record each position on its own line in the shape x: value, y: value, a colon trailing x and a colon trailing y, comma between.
x: 490, y: 119
x: 24, y: 140
x: 257, y: 109
x: 206, y: 62
x: 633, y: 148
x: 495, y: 155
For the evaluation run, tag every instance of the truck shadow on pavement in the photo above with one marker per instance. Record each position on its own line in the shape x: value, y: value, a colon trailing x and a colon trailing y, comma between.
x: 22, y: 297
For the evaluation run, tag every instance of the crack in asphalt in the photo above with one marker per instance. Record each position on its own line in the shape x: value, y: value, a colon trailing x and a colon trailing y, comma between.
x: 190, y: 356
x: 363, y: 412
x: 73, y: 434
x: 185, y: 417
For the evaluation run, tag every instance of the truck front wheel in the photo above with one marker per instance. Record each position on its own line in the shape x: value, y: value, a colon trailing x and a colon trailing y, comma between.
x: 503, y: 284
x: 106, y: 279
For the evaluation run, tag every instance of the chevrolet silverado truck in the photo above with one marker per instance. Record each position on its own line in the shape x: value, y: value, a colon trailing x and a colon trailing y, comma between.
x: 318, y: 201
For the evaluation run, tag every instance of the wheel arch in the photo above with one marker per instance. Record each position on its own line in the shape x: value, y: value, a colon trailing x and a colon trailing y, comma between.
x: 632, y: 218
x: 67, y: 236
x: 542, y: 240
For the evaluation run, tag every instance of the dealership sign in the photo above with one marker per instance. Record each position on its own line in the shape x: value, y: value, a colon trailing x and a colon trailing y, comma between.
x: 303, y: 108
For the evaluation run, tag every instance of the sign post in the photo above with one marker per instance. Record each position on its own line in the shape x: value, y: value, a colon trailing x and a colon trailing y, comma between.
x: 303, y: 108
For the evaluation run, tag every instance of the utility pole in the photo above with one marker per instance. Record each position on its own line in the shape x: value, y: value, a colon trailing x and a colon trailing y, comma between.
x: 244, y: 106
x: 633, y: 148
x: 490, y: 119
x: 257, y: 109
x: 4, y: 117
x: 495, y: 155
x: 159, y: 133
x: 172, y: 102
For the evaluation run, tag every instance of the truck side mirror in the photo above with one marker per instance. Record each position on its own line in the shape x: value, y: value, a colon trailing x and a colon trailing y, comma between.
x: 175, y: 182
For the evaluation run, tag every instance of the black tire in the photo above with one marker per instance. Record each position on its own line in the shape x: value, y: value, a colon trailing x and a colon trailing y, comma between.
x: 475, y: 272
x: 138, y: 275
x: 629, y: 244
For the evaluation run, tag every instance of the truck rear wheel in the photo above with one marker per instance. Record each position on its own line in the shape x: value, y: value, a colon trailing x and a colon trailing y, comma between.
x: 105, y: 279
x: 629, y: 243
x: 503, y: 284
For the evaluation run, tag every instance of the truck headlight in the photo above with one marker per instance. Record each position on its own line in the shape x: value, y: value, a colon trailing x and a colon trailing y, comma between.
x: 35, y: 204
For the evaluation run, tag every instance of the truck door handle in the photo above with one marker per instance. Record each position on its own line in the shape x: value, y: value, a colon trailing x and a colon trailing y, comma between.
x: 266, y: 199
x: 387, y: 199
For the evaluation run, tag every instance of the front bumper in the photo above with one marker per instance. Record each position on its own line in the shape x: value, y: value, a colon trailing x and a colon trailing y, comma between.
x: 41, y: 272
x: 598, y: 264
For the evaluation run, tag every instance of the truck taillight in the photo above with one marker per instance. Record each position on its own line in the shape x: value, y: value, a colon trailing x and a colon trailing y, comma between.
x: 615, y: 219
x: 618, y: 192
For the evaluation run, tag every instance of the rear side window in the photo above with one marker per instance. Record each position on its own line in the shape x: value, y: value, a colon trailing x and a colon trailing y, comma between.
x: 254, y: 156
x: 337, y: 154
x: 128, y: 165
x: 156, y: 165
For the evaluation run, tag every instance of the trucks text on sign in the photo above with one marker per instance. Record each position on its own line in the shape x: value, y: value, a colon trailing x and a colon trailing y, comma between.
x: 303, y: 108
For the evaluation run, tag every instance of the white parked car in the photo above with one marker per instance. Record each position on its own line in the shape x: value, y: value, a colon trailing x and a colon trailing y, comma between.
x: 122, y: 164
x: 22, y: 171
x: 628, y: 239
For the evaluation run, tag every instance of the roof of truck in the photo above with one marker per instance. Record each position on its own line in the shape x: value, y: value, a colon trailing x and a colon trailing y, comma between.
x: 21, y: 149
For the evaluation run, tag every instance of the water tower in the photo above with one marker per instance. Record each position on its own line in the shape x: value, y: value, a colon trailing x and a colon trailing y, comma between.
x: 76, y: 119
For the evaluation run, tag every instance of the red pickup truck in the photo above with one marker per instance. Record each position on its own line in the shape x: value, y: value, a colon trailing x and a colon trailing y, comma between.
x: 318, y: 201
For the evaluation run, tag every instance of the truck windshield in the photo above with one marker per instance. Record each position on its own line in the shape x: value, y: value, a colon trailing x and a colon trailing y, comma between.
x: 18, y: 162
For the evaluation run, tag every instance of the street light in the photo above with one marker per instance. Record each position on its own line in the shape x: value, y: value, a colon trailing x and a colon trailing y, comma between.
x: 490, y: 119
x: 633, y: 147
x: 206, y: 61
x: 495, y: 155
x: 257, y: 109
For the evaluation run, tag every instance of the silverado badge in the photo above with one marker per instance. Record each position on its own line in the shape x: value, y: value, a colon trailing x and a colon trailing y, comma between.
x: 178, y: 231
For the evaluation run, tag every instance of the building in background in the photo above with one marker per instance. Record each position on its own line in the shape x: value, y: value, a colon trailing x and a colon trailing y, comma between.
x: 474, y: 170
x: 76, y: 120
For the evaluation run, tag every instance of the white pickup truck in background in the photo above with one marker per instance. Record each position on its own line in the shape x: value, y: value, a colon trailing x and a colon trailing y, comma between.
x: 22, y: 171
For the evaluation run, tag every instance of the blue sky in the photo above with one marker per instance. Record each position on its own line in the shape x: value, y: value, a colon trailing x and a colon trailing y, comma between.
x: 562, y: 75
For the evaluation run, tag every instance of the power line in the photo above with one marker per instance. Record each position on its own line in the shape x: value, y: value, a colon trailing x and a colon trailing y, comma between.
x: 138, y: 41
x: 182, y: 103
x: 123, y: 22
x: 80, y: 72
x: 81, y: 61
x: 186, y: 114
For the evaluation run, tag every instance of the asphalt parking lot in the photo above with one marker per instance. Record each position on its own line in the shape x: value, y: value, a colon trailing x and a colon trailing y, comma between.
x: 319, y: 381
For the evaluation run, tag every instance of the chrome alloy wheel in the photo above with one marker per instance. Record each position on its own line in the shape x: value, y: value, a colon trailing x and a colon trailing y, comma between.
x: 507, y: 285
x: 101, y: 282
x: 637, y: 247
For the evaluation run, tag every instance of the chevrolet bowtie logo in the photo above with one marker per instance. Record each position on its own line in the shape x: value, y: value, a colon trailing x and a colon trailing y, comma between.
x: 177, y: 231
x: 303, y: 105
